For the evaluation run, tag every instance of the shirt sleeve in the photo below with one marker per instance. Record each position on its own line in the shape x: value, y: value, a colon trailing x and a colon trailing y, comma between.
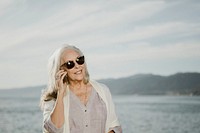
x: 48, y: 125
x: 116, y: 129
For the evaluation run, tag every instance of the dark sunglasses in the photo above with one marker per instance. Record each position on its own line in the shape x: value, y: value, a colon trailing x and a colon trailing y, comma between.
x: 70, y: 64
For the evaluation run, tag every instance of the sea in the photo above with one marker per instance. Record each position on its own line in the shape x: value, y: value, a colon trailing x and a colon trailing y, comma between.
x: 137, y: 114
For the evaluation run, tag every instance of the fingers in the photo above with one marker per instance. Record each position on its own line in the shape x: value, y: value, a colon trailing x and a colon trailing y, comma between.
x: 63, y: 76
x: 59, y: 78
x: 59, y: 73
x: 61, y: 84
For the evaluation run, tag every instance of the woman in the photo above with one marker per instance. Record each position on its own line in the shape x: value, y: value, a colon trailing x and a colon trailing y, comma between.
x: 72, y: 103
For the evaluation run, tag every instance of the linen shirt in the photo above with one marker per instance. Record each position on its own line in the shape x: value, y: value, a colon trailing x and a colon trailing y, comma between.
x: 87, y: 119
x: 82, y: 119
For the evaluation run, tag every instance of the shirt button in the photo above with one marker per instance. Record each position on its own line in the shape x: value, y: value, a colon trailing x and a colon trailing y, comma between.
x: 85, y: 110
x: 86, y: 125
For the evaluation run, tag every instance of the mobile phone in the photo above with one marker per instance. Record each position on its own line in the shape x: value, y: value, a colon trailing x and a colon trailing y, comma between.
x: 65, y: 79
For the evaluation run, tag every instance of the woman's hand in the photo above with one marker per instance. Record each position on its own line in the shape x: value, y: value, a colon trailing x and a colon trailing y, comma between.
x: 60, y: 85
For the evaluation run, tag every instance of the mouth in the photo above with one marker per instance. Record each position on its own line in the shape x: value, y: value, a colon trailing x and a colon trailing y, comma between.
x: 78, y: 72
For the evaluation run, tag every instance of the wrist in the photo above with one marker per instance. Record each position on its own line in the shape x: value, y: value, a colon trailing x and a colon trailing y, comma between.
x: 60, y: 95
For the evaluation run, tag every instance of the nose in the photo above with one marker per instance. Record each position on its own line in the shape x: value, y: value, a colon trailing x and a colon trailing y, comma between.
x: 76, y: 65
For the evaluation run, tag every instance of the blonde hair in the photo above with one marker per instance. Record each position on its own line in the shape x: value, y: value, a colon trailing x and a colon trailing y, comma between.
x: 50, y: 93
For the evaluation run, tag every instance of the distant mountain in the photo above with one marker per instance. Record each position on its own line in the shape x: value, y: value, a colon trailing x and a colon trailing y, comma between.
x: 31, y: 92
x: 140, y: 84
x: 149, y: 84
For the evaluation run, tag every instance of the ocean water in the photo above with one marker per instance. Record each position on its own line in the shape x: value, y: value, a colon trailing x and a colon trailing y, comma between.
x: 137, y: 114
x: 159, y: 114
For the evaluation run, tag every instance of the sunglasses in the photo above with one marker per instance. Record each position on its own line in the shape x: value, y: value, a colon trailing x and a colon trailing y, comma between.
x: 70, y: 64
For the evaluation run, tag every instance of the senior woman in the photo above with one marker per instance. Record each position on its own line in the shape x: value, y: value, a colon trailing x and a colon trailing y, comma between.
x: 72, y: 103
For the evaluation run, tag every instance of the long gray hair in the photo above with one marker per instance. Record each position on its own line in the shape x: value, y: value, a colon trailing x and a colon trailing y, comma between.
x: 54, y: 64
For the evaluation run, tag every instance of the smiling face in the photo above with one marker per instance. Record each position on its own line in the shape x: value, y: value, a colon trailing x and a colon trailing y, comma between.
x: 77, y: 73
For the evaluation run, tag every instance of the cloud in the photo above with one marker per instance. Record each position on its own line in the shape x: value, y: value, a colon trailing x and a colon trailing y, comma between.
x: 4, y: 5
x: 75, y: 20
x: 156, y: 31
x: 179, y: 50
x: 145, y: 51
x: 104, y: 17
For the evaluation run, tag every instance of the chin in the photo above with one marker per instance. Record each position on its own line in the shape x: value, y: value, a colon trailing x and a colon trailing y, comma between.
x: 79, y: 78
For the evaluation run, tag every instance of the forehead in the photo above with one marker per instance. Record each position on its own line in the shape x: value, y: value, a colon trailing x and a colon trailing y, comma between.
x: 69, y: 55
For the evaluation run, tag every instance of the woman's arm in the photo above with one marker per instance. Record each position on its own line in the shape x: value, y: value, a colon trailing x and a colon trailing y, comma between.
x: 49, y: 126
x: 54, y: 118
x: 57, y: 115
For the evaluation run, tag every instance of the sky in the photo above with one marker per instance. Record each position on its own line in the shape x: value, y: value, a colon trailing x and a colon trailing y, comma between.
x: 119, y: 38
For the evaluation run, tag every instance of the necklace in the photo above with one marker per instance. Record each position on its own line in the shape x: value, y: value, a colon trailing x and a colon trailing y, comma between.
x: 81, y: 94
x: 85, y: 100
